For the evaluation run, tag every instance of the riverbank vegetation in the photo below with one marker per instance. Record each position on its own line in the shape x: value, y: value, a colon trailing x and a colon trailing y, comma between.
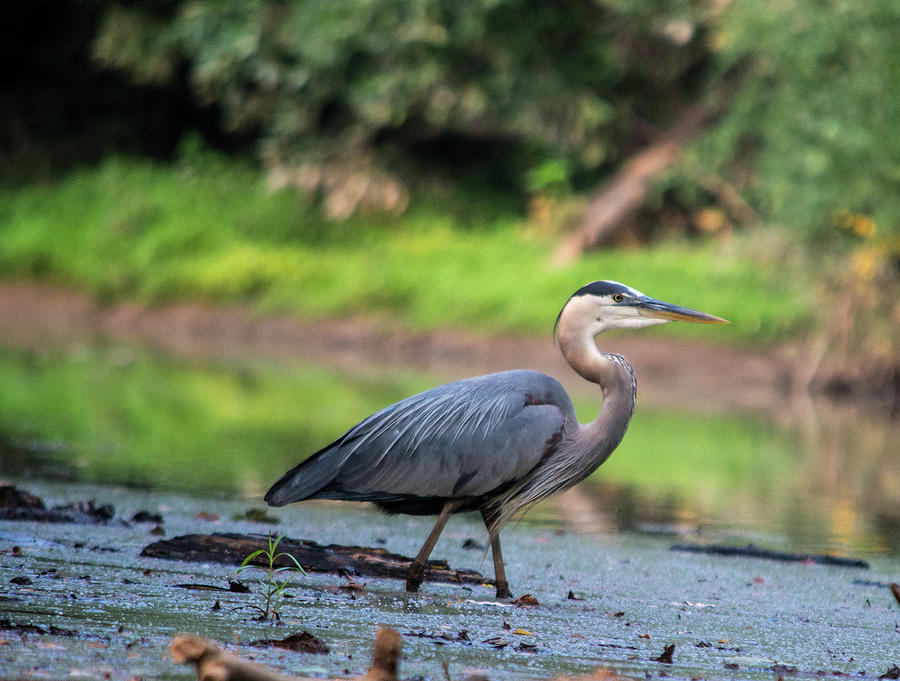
x: 207, y: 228
x: 423, y: 165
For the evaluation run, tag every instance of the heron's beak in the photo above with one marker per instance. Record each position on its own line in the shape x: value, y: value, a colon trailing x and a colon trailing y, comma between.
x: 649, y: 307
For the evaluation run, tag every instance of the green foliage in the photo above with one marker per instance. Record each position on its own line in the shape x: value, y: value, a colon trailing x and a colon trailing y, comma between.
x: 273, y: 588
x: 807, y: 138
x: 810, y: 136
x: 208, y: 229
x: 335, y: 80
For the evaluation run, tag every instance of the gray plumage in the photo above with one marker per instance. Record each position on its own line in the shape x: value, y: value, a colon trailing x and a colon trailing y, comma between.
x: 496, y: 443
x: 497, y: 426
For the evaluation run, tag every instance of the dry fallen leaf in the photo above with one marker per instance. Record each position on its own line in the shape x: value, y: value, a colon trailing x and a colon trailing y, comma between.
x: 496, y: 642
x: 666, y: 656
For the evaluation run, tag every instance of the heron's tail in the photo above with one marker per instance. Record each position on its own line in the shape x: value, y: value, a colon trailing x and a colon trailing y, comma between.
x: 301, y: 482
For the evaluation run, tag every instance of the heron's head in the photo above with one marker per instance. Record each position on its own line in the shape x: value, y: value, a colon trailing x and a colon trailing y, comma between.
x: 603, y: 305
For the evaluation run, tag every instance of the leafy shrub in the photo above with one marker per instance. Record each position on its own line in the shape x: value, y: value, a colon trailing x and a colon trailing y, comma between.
x: 329, y: 82
x: 810, y: 136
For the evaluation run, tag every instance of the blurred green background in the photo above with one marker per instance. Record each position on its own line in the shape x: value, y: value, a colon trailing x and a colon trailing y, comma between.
x: 375, y: 155
x: 420, y: 164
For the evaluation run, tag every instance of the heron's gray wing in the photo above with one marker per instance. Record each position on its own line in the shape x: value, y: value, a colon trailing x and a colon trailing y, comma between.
x: 461, y: 439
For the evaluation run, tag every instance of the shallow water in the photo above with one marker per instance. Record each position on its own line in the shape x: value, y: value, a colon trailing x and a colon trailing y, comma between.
x: 638, y: 596
x: 145, y: 432
x: 820, y: 478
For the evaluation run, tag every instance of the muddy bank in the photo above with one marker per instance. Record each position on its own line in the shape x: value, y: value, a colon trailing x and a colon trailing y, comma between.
x: 100, y: 609
x: 691, y: 375
x: 671, y: 372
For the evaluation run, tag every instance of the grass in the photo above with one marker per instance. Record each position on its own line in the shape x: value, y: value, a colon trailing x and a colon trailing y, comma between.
x: 206, y: 228
x: 272, y: 595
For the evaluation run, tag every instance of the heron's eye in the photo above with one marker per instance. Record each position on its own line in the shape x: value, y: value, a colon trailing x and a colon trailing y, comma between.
x: 618, y: 297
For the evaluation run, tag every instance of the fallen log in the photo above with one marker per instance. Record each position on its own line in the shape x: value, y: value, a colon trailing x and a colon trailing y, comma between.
x: 355, y: 561
x: 214, y: 664
x: 751, y: 551
x: 17, y: 504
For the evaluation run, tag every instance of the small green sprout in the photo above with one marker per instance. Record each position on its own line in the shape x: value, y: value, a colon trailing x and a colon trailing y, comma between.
x: 273, y: 588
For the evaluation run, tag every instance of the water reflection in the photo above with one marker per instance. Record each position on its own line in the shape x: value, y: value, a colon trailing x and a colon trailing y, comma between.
x: 824, y: 477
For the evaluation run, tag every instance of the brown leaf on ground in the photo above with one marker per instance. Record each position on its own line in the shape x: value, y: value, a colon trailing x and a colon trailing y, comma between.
x: 526, y: 601
x: 666, y: 656
x: 599, y: 675
x: 352, y: 587
x: 497, y: 642
x: 895, y: 589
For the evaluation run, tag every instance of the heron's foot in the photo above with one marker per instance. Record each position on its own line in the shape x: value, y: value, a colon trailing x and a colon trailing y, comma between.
x: 503, y: 590
x: 414, y: 576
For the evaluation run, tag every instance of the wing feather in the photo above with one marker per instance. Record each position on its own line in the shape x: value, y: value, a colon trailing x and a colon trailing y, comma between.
x: 465, y: 438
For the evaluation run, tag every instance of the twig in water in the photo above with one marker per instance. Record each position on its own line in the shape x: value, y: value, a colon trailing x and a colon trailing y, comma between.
x: 213, y: 664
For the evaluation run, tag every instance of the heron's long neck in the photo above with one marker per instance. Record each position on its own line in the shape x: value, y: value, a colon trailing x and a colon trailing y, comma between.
x: 616, y: 379
x: 589, y: 445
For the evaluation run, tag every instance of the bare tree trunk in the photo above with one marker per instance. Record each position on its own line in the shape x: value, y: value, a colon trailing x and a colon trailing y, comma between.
x: 625, y: 192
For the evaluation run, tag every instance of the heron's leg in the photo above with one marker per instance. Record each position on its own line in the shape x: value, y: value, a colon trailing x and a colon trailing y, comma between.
x: 499, y: 568
x: 416, y: 572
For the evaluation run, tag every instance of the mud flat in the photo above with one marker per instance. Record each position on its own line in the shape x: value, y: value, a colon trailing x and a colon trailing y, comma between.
x: 79, y: 600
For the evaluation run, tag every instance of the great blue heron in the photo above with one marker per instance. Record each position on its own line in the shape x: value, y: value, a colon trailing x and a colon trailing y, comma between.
x: 495, y: 443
